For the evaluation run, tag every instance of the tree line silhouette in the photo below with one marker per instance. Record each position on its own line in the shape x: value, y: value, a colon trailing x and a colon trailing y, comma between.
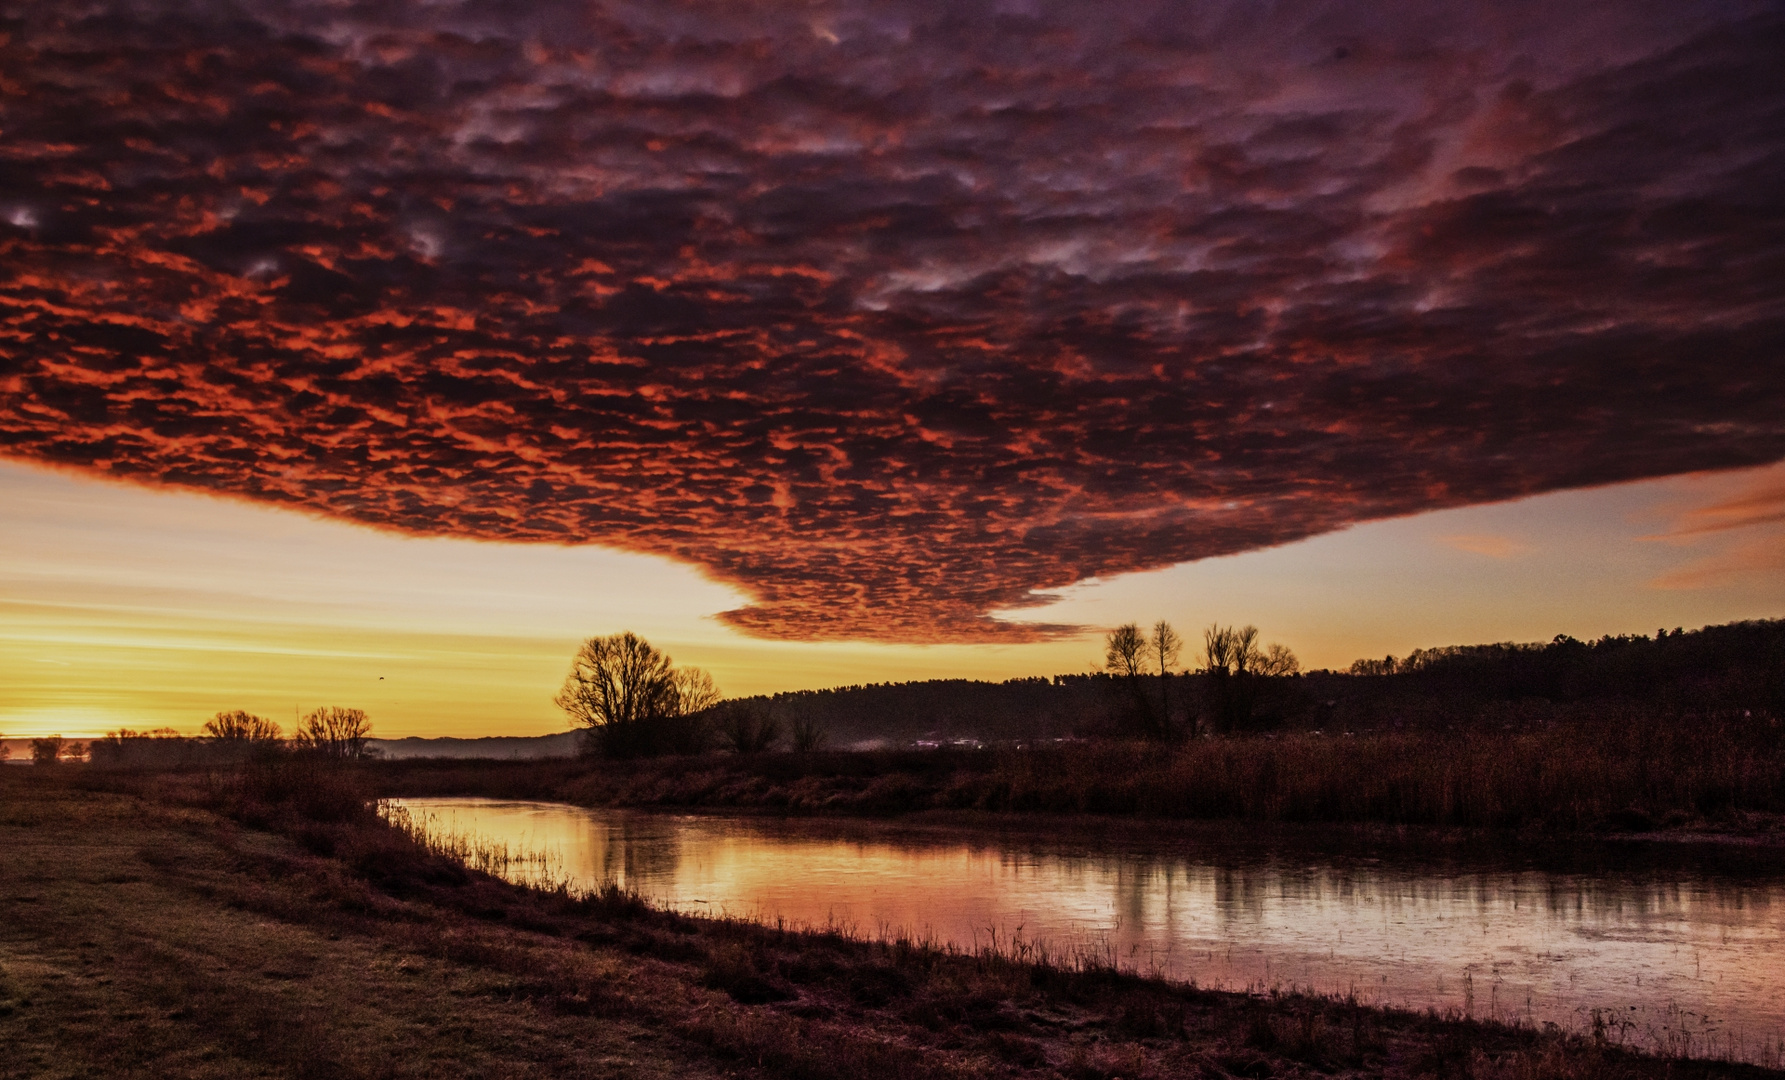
x: 1236, y: 684
x: 330, y: 733
x: 633, y: 701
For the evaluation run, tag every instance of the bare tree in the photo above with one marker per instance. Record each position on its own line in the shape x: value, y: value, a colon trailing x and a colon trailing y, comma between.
x: 695, y: 691
x: 1228, y: 651
x: 809, y: 733
x: 1278, y: 661
x: 633, y: 700
x: 1217, y: 650
x: 334, y: 732
x: 1125, y: 651
x: 1245, y: 649
x: 1164, y: 648
x: 617, y: 681
x: 239, y: 726
x: 1125, y: 655
x: 1233, y: 661
x: 1219, y: 694
x: 748, y: 730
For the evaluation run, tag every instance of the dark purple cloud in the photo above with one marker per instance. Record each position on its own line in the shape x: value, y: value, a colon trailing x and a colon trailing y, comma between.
x: 891, y: 313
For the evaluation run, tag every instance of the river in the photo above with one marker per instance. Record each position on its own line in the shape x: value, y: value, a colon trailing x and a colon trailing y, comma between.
x: 1665, y: 955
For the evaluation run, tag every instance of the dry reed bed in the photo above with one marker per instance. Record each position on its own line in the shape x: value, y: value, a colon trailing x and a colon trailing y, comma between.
x: 1610, y: 769
x: 1574, y: 777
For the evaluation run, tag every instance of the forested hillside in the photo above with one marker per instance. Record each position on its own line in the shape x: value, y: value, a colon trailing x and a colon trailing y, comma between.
x: 1738, y: 666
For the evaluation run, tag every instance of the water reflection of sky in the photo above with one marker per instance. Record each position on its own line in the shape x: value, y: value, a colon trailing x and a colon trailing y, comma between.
x: 1660, y: 951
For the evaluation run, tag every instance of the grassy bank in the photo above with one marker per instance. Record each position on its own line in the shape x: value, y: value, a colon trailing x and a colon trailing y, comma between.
x: 1625, y: 772
x: 273, y: 926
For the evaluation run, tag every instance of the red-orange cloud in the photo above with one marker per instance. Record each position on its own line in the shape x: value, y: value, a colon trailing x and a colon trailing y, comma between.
x: 892, y: 314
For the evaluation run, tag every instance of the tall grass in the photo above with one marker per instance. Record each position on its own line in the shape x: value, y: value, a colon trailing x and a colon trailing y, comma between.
x: 1601, y: 767
x: 538, y: 868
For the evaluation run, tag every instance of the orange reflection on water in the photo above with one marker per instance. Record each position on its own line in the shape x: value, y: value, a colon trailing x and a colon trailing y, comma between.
x: 1665, y: 954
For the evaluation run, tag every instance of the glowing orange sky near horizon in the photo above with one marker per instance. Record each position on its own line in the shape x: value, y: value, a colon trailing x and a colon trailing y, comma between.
x: 128, y: 606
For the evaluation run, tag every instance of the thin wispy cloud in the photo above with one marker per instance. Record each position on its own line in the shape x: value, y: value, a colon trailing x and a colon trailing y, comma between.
x: 1746, y: 560
x: 891, y: 314
x: 1741, y: 533
x: 1763, y: 503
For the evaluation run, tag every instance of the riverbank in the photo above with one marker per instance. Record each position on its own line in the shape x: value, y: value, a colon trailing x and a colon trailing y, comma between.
x: 1720, y: 776
x: 1667, y: 940
x: 192, y: 926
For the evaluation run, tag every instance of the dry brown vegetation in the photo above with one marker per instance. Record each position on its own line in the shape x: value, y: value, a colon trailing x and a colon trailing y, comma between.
x: 267, y: 923
x: 1611, y: 771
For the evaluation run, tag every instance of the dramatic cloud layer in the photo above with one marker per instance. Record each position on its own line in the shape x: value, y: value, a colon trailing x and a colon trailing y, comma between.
x: 891, y: 313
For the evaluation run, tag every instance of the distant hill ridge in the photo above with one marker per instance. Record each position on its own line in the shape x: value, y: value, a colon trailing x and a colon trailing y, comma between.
x: 512, y: 747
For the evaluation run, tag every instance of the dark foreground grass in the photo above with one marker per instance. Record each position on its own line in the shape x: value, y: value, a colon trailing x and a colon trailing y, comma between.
x: 1607, y: 770
x: 273, y: 926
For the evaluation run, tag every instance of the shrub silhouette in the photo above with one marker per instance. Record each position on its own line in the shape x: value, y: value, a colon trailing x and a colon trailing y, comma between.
x: 334, y: 732
x: 238, y: 725
x: 46, y: 751
x: 162, y: 748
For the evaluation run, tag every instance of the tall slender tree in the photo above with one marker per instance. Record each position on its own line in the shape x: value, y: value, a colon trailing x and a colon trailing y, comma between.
x: 1125, y: 656
x: 1164, y: 648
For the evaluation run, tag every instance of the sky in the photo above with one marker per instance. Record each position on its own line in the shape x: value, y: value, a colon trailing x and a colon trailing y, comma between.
x: 834, y: 342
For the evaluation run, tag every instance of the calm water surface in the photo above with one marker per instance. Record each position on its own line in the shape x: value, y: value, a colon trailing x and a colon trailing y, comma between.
x: 1666, y: 953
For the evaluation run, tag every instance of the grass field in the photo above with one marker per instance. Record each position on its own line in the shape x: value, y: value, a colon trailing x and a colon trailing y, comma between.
x: 215, y: 927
